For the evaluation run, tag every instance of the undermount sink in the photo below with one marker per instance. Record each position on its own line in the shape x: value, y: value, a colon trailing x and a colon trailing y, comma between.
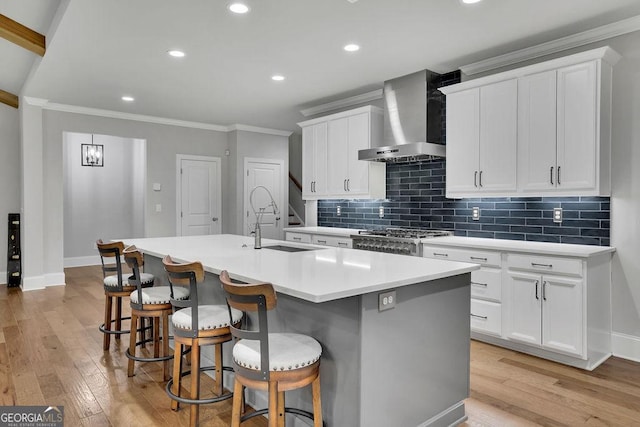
x: 288, y: 248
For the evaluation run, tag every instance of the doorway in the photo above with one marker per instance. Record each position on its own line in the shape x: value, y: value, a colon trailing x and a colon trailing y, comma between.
x: 198, y: 198
x: 269, y: 174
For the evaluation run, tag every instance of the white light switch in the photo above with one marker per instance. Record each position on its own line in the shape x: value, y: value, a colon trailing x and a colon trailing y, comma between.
x: 158, y: 207
x: 157, y: 186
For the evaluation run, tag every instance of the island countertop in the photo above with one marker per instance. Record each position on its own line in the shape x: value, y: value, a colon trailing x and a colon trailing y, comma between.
x: 318, y: 275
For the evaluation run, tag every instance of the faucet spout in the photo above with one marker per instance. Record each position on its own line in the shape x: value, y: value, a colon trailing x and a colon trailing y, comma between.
x: 260, y: 212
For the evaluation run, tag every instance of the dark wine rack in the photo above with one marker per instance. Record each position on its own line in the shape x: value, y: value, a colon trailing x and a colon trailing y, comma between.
x: 14, y: 256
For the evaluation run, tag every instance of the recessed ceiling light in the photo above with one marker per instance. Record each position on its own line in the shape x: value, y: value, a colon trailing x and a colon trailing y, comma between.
x: 277, y: 77
x: 352, y: 47
x: 238, y: 8
x: 470, y: 1
x: 176, y: 53
x: 128, y: 98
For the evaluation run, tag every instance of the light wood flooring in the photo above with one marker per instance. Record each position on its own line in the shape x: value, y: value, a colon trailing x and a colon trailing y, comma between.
x: 51, y: 354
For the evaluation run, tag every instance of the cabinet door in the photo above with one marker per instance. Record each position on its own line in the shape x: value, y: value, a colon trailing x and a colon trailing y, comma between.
x: 523, y: 308
x: 537, y: 132
x: 463, y: 124
x: 308, y: 161
x: 359, y: 139
x: 338, y: 149
x: 562, y: 314
x: 498, y: 137
x: 577, y: 116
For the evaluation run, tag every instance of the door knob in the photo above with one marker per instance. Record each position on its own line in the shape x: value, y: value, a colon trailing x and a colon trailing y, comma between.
x: 214, y: 219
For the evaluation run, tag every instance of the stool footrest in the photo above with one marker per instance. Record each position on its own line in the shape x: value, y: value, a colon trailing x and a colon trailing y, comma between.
x: 294, y: 411
x: 112, y: 332
x: 198, y: 401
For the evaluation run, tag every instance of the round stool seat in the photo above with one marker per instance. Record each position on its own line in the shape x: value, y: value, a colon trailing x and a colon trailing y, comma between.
x: 286, y: 352
x: 159, y: 295
x: 112, y: 281
x: 209, y: 317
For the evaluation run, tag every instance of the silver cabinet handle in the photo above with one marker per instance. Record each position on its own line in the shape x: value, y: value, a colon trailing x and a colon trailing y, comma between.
x: 537, y: 290
x: 535, y: 264
x: 551, y: 175
x: 480, y: 284
x: 438, y: 254
x: 477, y: 258
x: 558, y: 175
x: 343, y: 244
x: 297, y: 238
x: 348, y: 182
x: 322, y: 241
x: 544, y: 292
x: 480, y: 180
x: 479, y: 317
x: 344, y: 184
x: 475, y: 179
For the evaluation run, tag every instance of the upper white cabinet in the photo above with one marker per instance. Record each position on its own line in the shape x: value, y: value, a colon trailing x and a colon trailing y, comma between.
x: 550, y: 135
x: 344, y: 175
x: 481, y: 130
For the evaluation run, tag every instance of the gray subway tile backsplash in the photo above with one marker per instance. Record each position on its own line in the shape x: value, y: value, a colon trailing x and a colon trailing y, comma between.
x: 416, y: 198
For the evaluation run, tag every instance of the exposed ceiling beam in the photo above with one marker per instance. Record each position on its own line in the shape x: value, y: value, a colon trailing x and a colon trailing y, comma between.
x: 9, y: 99
x: 23, y: 36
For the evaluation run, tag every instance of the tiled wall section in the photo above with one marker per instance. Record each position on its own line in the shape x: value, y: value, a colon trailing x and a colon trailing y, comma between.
x: 415, y: 193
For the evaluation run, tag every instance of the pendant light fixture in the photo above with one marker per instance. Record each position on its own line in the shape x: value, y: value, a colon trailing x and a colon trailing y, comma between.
x: 92, y: 154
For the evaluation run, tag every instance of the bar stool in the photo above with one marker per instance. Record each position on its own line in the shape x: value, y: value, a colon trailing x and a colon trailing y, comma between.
x: 275, y: 362
x: 115, y: 286
x: 155, y: 304
x: 194, y: 326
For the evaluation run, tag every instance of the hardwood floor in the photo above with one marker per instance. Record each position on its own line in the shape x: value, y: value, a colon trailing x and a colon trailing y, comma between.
x: 51, y: 354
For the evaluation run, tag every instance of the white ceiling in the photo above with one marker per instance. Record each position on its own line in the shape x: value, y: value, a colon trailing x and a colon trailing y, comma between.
x: 101, y: 50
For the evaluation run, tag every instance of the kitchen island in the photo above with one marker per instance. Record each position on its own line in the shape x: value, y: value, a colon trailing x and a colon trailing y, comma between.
x: 405, y: 366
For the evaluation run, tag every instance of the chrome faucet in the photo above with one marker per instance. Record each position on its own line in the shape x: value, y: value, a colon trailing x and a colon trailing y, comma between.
x: 257, y: 231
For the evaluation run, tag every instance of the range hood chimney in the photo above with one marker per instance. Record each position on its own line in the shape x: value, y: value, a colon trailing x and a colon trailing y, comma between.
x: 412, y: 120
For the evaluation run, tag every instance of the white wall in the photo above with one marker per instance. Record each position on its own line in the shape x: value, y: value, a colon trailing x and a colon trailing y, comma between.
x: 9, y: 176
x: 101, y: 202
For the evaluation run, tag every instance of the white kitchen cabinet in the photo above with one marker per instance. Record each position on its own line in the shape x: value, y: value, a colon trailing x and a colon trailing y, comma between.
x: 481, y: 140
x: 562, y: 122
x: 319, y: 239
x: 345, y: 176
x: 314, y: 160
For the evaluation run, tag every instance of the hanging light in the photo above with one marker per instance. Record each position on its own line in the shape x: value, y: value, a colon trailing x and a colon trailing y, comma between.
x: 92, y: 154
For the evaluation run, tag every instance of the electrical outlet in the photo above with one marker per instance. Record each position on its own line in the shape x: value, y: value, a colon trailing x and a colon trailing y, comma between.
x: 338, y: 210
x: 386, y: 300
x: 475, y: 213
x: 557, y: 215
x: 381, y: 212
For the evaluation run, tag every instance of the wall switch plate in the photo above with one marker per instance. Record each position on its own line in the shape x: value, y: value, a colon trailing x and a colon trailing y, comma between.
x: 338, y: 210
x: 158, y: 207
x: 157, y: 186
x: 557, y: 215
x: 475, y: 213
x: 386, y: 300
x: 381, y: 212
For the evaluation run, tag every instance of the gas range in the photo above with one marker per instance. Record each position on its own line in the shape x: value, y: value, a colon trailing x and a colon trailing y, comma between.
x: 405, y: 241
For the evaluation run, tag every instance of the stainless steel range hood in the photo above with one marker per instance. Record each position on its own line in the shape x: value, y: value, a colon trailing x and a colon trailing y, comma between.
x: 412, y: 120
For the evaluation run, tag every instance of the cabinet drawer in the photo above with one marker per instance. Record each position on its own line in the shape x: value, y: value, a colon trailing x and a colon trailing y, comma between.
x: 486, y: 317
x: 545, y: 264
x: 486, y: 283
x: 485, y: 258
x: 298, y: 237
x: 338, y: 242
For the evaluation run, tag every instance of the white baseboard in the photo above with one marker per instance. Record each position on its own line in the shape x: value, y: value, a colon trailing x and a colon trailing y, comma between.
x: 82, y: 261
x: 54, y: 279
x: 33, y: 283
x: 625, y: 346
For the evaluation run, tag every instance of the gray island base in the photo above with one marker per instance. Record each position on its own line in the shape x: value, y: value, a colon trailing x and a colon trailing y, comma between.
x: 406, y: 366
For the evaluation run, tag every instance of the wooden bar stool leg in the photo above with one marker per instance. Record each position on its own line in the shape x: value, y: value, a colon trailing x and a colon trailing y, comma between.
x: 156, y: 337
x: 273, y: 404
x: 219, y: 372
x: 238, y: 404
x: 195, y: 381
x: 106, y: 340
x: 317, y: 402
x: 165, y: 343
x: 132, y: 343
x: 119, y: 316
x: 142, y: 331
x: 177, y: 373
x: 281, y: 414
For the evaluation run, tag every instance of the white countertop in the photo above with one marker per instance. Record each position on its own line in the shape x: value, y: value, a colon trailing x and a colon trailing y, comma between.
x: 542, y: 248
x: 319, y: 275
x: 327, y: 231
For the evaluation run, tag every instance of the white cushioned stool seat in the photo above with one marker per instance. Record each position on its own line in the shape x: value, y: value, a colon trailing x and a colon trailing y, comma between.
x: 159, y: 295
x: 113, y: 280
x: 146, y: 278
x: 286, y: 352
x: 209, y: 317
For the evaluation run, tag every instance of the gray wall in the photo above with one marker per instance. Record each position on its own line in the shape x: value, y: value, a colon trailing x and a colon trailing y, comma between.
x: 102, y: 202
x: 9, y: 176
x: 295, y: 168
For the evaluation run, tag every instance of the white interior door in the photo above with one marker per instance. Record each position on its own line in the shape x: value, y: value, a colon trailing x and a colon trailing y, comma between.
x: 269, y: 174
x: 199, y: 194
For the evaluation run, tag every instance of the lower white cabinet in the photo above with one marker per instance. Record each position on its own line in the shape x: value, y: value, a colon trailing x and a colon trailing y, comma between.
x: 319, y: 239
x: 551, y: 306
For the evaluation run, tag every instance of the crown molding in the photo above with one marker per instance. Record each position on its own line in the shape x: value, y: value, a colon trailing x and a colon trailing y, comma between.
x: 36, y: 102
x: 268, y: 131
x: 343, y: 103
x: 604, y: 32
